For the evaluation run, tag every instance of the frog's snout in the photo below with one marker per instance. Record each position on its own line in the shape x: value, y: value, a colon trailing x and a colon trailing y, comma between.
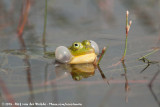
x: 95, y: 46
x: 62, y: 54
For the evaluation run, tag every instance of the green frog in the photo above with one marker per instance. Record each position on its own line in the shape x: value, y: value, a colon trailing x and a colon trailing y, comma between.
x: 78, y: 53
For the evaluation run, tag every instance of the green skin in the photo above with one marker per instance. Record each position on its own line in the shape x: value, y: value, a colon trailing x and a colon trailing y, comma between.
x: 81, y: 48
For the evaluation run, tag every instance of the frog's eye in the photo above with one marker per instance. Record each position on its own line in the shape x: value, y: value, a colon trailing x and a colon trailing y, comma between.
x: 95, y: 46
x: 76, y: 77
x: 77, y: 45
x: 86, y: 43
x: 62, y: 54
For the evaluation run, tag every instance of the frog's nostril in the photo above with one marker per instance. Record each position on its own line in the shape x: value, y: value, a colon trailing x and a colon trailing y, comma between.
x: 62, y: 54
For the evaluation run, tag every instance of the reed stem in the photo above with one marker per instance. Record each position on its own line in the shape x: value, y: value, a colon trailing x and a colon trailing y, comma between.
x: 102, y: 54
x: 128, y: 25
x: 45, y: 25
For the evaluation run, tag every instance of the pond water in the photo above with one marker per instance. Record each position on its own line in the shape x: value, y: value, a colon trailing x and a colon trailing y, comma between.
x: 27, y: 78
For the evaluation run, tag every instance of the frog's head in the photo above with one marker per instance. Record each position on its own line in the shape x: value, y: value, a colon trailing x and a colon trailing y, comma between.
x: 64, y: 55
x: 81, y: 48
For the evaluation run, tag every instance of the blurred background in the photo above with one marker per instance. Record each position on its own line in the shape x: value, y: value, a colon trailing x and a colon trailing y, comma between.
x: 28, y: 77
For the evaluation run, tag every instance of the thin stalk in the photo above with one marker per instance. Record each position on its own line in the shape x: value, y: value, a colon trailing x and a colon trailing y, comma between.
x: 148, y: 54
x: 102, y: 54
x: 125, y: 50
x: 23, y: 18
x: 45, y: 25
x: 127, y: 30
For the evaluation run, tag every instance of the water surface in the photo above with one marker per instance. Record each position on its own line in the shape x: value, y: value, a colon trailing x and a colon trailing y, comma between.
x: 29, y: 77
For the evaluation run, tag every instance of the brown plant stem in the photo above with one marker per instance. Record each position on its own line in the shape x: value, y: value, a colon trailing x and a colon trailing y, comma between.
x: 101, y: 55
x: 7, y: 94
x: 23, y: 18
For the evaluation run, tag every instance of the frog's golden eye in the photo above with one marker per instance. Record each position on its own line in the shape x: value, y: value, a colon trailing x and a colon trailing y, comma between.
x: 77, y: 45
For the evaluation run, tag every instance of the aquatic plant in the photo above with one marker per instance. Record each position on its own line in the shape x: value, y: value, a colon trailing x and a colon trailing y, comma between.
x: 23, y: 18
x: 128, y: 25
x: 150, y: 53
x: 101, y: 55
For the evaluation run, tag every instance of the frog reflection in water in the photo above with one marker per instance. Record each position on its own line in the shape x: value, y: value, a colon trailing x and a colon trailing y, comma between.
x: 80, y: 71
x: 77, y: 71
x: 79, y: 53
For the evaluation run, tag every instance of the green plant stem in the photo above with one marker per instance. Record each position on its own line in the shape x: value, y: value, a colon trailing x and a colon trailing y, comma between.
x: 127, y: 30
x: 45, y: 24
x: 125, y: 50
x: 148, y: 54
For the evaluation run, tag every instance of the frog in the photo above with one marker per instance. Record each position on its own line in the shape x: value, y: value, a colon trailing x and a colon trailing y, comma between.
x: 82, y: 52
x: 77, y: 53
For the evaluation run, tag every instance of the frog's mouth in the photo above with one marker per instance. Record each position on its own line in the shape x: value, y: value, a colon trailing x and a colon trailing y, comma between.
x: 87, y: 58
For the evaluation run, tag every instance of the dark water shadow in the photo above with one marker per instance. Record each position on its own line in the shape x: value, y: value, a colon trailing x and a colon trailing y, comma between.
x: 148, y: 62
x: 150, y: 85
x: 145, y: 68
x: 28, y: 68
x: 102, y: 75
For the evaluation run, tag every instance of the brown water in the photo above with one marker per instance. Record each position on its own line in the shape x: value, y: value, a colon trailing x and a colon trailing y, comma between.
x: 31, y: 78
